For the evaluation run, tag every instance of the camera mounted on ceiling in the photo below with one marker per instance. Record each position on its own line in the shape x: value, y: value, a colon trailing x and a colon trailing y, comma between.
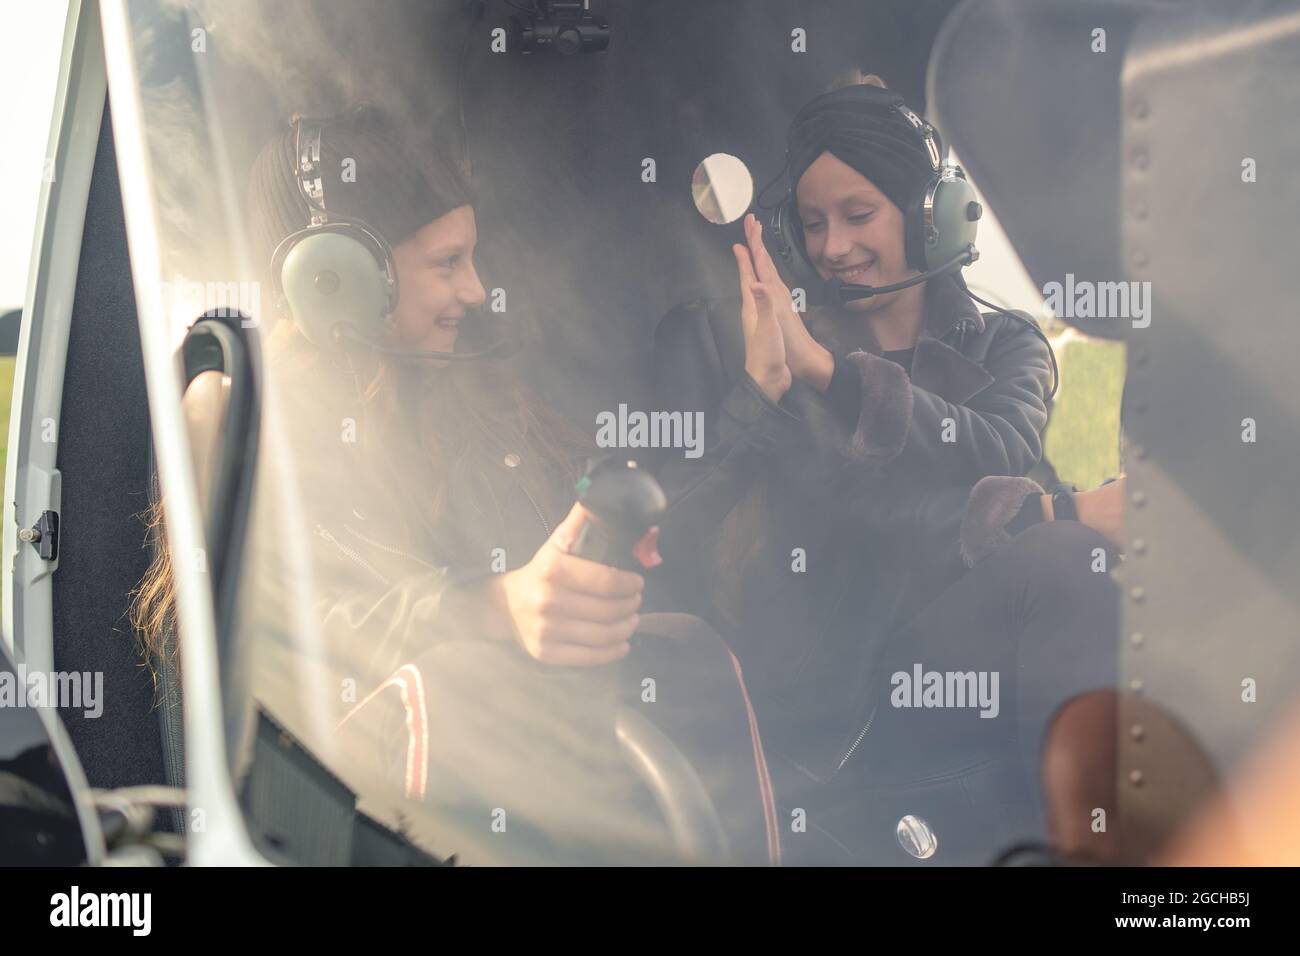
x: 565, y: 26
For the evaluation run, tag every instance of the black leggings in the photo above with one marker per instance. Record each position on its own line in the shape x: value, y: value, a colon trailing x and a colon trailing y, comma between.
x: 1040, y: 616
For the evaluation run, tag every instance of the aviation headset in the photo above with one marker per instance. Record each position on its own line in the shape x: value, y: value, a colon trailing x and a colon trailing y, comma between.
x: 336, y: 276
x: 940, y: 220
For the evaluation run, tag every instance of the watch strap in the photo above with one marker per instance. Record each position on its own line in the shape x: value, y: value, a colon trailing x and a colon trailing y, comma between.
x: 1063, y: 508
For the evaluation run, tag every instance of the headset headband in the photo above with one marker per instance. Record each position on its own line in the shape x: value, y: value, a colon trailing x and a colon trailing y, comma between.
x: 310, y: 177
x: 310, y: 181
x: 927, y: 133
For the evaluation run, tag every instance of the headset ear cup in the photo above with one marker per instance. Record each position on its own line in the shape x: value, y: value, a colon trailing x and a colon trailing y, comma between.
x: 956, y: 214
x: 914, y: 231
x: 329, y: 277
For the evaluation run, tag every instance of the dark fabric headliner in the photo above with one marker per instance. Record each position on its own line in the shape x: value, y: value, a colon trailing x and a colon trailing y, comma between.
x: 104, y: 447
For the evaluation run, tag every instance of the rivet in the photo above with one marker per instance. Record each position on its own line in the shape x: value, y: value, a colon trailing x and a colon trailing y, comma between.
x: 1138, y: 594
x: 1139, y: 499
x: 1139, y: 109
x: 1140, y: 259
x: 1136, y: 638
x: 1137, y: 732
x: 1136, y: 685
x: 511, y: 460
x: 1135, y: 777
x: 1139, y: 546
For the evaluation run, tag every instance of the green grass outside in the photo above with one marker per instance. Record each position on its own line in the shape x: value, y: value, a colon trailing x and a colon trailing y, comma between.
x: 1083, y: 436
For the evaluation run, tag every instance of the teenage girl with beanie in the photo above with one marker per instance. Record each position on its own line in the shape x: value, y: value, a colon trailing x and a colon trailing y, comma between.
x: 864, y: 487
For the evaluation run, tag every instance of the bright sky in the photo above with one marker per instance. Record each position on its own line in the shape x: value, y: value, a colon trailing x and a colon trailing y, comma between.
x: 31, y: 39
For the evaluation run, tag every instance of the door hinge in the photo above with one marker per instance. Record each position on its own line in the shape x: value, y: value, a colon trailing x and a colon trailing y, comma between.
x: 44, y: 535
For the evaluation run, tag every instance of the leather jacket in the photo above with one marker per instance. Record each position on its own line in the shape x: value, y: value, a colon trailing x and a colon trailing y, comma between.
x: 856, y: 517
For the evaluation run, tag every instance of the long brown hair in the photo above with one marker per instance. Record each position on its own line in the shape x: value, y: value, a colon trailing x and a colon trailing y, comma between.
x: 460, y: 418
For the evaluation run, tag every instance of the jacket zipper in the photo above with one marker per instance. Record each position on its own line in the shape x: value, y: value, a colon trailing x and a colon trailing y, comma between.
x: 540, y: 516
x: 396, y: 552
x: 351, y: 553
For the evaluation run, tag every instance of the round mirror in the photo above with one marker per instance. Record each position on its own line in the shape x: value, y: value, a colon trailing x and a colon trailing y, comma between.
x: 722, y: 188
x: 917, y: 837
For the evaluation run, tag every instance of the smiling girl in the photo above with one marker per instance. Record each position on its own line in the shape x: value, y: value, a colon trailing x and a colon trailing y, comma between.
x: 865, y: 469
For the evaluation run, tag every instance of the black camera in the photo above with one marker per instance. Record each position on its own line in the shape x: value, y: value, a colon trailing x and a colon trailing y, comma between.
x: 566, y: 26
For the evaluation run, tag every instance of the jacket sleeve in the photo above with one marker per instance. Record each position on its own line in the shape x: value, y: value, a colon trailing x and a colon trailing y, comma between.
x: 375, y: 626
x: 905, y: 429
x: 369, y: 601
x: 927, y: 499
x: 950, y: 526
x: 742, y: 438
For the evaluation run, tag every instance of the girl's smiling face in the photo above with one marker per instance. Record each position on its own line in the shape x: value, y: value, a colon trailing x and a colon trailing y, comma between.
x: 852, y: 231
x: 437, y: 282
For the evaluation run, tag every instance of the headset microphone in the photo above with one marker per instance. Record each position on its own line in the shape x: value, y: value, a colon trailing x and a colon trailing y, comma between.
x: 846, y: 292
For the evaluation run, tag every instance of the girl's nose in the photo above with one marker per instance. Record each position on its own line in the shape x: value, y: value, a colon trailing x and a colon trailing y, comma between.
x: 838, y: 244
x: 472, y: 292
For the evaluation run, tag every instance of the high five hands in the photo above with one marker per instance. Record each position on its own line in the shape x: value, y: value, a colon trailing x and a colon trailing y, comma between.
x: 778, y: 346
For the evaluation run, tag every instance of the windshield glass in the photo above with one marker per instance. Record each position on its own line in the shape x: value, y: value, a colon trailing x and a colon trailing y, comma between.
x: 499, y: 264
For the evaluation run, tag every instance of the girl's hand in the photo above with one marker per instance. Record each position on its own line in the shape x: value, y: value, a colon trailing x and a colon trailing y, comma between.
x: 806, y: 357
x: 1102, y: 510
x: 764, y: 344
x: 568, y: 610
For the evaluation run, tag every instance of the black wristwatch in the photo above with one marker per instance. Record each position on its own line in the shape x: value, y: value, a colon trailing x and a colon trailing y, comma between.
x: 1063, y: 508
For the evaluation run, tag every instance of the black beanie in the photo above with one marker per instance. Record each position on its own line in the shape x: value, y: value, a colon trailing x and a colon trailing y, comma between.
x: 401, y: 184
x: 858, y: 125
